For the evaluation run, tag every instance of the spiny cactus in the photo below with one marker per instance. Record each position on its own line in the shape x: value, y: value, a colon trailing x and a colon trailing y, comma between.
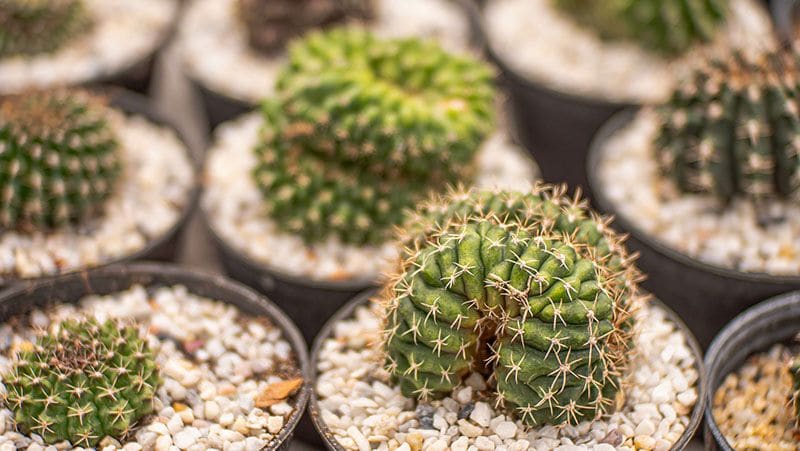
x: 531, y: 288
x: 58, y: 159
x: 734, y: 129
x: 665, y: 26
x: 362, y: 128
x: 83, y: 381
x: 31, y: 27
x: 271, y: 24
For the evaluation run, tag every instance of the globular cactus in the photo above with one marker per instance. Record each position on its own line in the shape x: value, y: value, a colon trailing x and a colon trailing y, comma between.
x: 363, y: 127
x: 734, y: 129
x: 31, y: 27
x: 271, y: 24
x: 668, y: 27
x: 58, y: 159
x: 83, y: 381
x: 531, y: 288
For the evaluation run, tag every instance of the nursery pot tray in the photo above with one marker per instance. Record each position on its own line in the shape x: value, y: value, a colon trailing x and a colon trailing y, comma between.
x: 707, y: 296
x: 72, y: 287
x: 219, y: 107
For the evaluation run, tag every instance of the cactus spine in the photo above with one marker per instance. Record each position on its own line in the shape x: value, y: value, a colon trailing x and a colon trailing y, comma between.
x: 31, y: 27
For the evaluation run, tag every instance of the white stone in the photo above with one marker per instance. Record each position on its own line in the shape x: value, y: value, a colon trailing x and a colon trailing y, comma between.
x: 481, y: 414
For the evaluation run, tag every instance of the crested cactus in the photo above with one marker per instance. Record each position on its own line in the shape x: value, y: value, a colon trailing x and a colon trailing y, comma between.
x: 734, y: 129
x: 668, y: 27
x: 83, y: 381
x: 31, y: 27
x: 362, y: 128
x: 271, y: 24
x: 58, y: 159
x: 530, y: 288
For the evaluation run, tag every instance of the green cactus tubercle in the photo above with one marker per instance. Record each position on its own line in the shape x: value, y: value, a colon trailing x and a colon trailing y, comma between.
x: 529, y: 288
x: 33, y: 27
x: 83, y: 381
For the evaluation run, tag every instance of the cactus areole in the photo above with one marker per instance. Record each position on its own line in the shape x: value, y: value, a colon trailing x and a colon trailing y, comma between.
x: 530, y: 289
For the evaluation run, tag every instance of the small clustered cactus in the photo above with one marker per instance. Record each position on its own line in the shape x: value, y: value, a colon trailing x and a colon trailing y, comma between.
x: 668, y: 27
x: 734, y: 128
x: 58, y: 159
x: 32, y: 27
x: 83, y: 381
x: 363, y: 128
x: 530, y: 288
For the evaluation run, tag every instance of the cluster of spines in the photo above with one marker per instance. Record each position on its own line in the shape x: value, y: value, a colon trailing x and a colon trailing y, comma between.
x: 31, y: 27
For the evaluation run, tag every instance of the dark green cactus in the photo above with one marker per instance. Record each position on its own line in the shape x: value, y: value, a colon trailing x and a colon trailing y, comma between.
x: 31, y: 27
x: 58, y: 159
x: 668, y: 27
x: 362, y: 128
x: 530, y: 287
x: 734, y: 127
x: 83, y: 381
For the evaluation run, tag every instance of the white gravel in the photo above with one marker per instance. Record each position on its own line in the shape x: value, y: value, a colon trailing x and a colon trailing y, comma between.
x: 545, y: 45
x: 693, y: 224
x: 125, y: 32
x: 214, y: 361
x: 233, y: 206
x: 154, y: 188
x: 360, y: 406
x: 214, y: 49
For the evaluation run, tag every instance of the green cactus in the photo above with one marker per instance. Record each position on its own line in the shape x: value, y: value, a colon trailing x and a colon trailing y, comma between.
x: 733, y: 128
x: 83, y: 381
x: 362, y: 128
x: 531, y: 288
x: 669, y: 27
x: 58, y: 159
x: 31, y: 27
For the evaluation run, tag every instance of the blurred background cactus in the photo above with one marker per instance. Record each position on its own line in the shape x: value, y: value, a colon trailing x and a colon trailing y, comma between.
x: 30, y: 27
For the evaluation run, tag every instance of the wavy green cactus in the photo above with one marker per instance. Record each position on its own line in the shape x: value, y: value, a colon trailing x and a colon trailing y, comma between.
x: 31, y: 27
x: 668, y: 27
x: 58, y: 159
x: 732, y: 129
x: 363, y: 127
x: 529, y: 287
x: 83, y: 381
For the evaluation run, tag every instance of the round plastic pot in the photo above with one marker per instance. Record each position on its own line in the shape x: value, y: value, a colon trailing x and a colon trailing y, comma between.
x: 219, y: 107
x: 161, y: 248
x: 73, y: 287
x: 707, y: 296
x: 347, y: 312
x: 757, y: 329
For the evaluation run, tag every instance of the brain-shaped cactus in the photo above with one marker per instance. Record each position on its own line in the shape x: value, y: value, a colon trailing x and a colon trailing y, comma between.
x: 30, y: 27
x: 531, y: 288
x: 83, y: 381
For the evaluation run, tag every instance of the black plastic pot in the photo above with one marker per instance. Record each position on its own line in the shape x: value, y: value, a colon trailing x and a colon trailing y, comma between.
x: 219, y: 107
x: 164, y: 247
x: 71, y: 288
x: 347, y: 311
x: 707, y: 296
x: 773, y: 321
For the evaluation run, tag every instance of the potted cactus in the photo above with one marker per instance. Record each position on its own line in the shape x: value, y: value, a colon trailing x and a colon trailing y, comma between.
x: 84, y: 184
x: 707, y: 184
x: 303, y: 196
x: 513, y: 320
x: 234, y: 49
x: 571, y: 64
x: 47, y: 43
x: 147, y: 356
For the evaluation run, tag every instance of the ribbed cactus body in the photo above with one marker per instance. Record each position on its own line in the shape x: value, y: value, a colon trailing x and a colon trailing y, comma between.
x: 734, y: 129
x: 669, y: 27
x: 526, y: 287
x: 31, y: 27
x: 83, y: 381
x: 362, y: 128
x: 58, y: 159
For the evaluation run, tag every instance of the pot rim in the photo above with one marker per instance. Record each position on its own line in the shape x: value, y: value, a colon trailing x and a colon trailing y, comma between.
x: 191, y: 279
x: 595, y: 155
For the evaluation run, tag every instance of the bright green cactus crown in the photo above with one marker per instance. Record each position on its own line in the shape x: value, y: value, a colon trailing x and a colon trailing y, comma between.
x: 363, y: 128
x: 733, y: 129
x: 83, y: 381
x: 531, y: 289
x: 31, y: 27
x: 668, y: 27
x: 58, y: 159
